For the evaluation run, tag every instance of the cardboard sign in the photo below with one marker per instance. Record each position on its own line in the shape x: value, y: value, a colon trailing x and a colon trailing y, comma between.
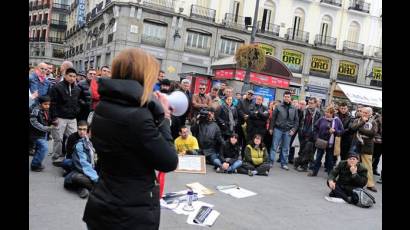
x: 191, y: 164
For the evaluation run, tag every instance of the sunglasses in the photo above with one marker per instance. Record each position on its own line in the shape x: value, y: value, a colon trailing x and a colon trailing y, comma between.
x: 201, y: 88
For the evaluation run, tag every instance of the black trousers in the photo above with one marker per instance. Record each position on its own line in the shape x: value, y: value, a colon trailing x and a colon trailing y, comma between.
x: 341, y: 192
x: 79, y: 180
x: 345, y: 147
x: 306, y: 153
x: 261, y: 169
x: 377, y: 152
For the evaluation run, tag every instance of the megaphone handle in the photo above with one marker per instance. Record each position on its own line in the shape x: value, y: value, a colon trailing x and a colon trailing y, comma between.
x: 161, y: 180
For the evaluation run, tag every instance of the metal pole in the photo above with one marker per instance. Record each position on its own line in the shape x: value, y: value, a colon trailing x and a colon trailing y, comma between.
x: 246, y: 83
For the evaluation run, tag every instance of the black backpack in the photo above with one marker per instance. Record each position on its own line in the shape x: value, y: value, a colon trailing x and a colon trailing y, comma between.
x: 362, y: 198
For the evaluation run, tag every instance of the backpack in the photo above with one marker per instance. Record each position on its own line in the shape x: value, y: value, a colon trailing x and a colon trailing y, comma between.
x: 362, y: 198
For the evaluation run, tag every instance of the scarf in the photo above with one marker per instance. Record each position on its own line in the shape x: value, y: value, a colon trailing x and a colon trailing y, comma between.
x: 231, y: 120
x: 332, y: 137
x: 40, y: 76
x: 89, y: 145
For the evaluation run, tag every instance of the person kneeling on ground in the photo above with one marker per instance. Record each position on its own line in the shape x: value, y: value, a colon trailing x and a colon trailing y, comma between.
x: 40, y: 127
x: 256, y: 158
x: 347, y: 175
x: 229, y: 156
x: 186, y: 143
x: 82, y: 176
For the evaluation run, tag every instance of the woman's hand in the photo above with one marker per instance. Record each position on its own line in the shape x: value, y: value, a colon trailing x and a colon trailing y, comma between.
x: 164, y: 102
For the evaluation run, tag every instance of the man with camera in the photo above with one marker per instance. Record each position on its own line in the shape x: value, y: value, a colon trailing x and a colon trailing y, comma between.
x: 208, y: 134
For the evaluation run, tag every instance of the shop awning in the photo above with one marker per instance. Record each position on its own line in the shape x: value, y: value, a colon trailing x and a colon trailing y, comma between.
x: 361, y: 95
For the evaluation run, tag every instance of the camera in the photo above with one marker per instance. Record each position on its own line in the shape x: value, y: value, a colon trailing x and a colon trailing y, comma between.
x: 203, y: 114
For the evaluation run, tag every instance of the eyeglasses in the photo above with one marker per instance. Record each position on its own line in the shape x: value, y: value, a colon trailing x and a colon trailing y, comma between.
x: 201, y: 88
x: 82, y: 129
x: 44, y: 69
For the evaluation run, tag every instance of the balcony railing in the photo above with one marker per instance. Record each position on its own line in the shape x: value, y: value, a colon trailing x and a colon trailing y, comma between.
x: 63, y: 7
x: 58, y: 24
x: 107, y: 2
x: 359, y: 6
x: 168, y: 5
x: 268, y: 28
x: 377, y: 52
x: 203, y: 13
x: 321, y: 40
x: 235, y: 21
x: 44, y: 22
x: 353, y: 46
x: 332, y: 2
x: 297, y: 35
x: 55, y: 40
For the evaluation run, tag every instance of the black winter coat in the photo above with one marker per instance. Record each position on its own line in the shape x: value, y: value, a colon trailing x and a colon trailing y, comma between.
x: 222, y: 119
x: 258, y: 116
x: 342, y: 176
x: 130, y: 145
x: 209, y: 136
x: 229, y: 153
x: 85, y: 95
x: 64, y: 102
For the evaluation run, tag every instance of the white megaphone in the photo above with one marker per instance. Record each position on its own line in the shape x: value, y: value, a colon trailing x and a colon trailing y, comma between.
x: 178, y: 101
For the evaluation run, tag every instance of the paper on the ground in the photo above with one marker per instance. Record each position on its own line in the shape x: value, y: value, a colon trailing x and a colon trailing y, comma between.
x: 182, y: 200
x: 190, y: 163
x: 179, y: 209
x: 209, y: 221
x: 238, y: 192
x: 200, y: 189
x: 335, y: 200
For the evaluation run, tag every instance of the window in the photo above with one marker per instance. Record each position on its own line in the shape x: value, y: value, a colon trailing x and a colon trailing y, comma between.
x: 229, y: 46
x: 98, y: 62
x: 326, y: 27
x: 198, y: 40
x: 203, y: 3
x: 154, y: 33
x: 236, y: 10
x: 354, y: 32
x: 108, y: 59
x: 299, y: 20
x: 268, y: 15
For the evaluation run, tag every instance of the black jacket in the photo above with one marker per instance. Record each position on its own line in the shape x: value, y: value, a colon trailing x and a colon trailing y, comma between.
x: 208, y: 135
x: 284, y: 117
x: 347, y: 121
x: 85, y: 95
x: 358, y: 126
x: 64, y: 100
x: 342, y: 176
x: 39, y: 123
x: 306, y: 131
x: 222, y: 118
x: 258, y: 115
x: 130, y: 147
x: 229, y: 153
x: 243, y: 109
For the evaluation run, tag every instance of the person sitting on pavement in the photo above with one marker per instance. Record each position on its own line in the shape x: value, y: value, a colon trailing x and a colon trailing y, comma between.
x: 365, y: 129
x: 40, y: 127
x: 208, y: 134
x: 346, y: 176
x: 82, y: 176
x: 326, y: 128
x: 256, y: 158
x: 186, y: 143
x: 228, y: 160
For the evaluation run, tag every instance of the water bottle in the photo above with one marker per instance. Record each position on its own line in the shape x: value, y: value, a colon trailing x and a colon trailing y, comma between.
x: 190, y: 196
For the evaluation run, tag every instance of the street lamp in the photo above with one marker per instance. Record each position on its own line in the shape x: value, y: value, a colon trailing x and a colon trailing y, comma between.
x: 246, y: 82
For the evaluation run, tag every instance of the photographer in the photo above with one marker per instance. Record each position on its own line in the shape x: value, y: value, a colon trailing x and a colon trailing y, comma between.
x: 208, y: 134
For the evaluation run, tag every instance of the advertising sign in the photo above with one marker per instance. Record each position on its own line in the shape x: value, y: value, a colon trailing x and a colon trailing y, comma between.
x: 270, y: 50
x: 347, y: 71
x: 224, y: 73
x: 293, y: 60
x: 320, y: 66
x: 81, y: 12
x: 263, y: 79
x: 268, y: 94
x: 377, y: 73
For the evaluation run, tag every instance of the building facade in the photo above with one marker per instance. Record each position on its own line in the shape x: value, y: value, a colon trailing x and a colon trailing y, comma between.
x: 48, y: 23
x: 319, y: 40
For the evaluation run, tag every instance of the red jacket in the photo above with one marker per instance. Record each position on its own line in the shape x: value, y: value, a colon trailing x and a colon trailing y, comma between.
x: 95, y: 96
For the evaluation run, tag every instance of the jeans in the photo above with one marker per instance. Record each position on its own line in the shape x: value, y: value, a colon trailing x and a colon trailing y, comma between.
x: 40, y: 153
x: 211, y: 159
x: 328, y: 160
x: 282, y: 138
x: 217, y: 162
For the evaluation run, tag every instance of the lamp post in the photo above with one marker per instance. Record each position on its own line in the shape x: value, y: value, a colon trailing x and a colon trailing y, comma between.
x: 246, y: 82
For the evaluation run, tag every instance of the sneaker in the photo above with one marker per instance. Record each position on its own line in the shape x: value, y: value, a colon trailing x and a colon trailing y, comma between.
x: 250, y: 173
x: 301, y: 169
x: 379, y: 181
x: 312, y: 174
x: 58, y: 162
x: 83, y: 193
x: 335, y: 200
x: 37, y: 168
x: 285, y: 167
x: 219, y: 170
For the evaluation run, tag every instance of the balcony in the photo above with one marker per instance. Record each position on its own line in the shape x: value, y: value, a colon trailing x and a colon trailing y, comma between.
x: 359, y: 6
x: 377, y: 52
x: 167, y: 5
x: 44, y: 22
x: 235, y: 21
x: 56, y: 40
x: 100, y: 42
x: 270, y: 28
x: 297, y: 35
x: 61, y: 7
x: 37, y: 39
x: 353, y: 47
x: 321, y: 40
x: 99, y: 6
x: 332, y: 2
x: 58, y: 24
x: 107, y: 2
x: 33, y: 23
x: 203, y: 13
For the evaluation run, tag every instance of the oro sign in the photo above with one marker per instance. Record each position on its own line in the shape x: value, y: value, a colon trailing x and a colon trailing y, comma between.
x: 293, y: 60
x: 320, y: 66
x: 347, y: 71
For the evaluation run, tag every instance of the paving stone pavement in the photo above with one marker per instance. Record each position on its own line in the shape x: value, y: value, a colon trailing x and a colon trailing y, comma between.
x: 285, y: 200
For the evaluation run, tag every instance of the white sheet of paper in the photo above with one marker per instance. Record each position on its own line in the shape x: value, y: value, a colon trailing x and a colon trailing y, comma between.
x: 180, y: 208
x: 209, y: 221
x: 189, y: 163
x: 238, y: 192
x: 200, y: 189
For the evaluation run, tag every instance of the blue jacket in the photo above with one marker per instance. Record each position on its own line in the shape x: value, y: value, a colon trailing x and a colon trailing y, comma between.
x: 43, y: 88
x: 81, y: 162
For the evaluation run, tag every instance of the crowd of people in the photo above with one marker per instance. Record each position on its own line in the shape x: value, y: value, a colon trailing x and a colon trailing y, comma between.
x: 236, y: 132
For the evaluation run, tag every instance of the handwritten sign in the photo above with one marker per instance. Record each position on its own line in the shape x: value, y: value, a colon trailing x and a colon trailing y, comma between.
x: 191, y: 164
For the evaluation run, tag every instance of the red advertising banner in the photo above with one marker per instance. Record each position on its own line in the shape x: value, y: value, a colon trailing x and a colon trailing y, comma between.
x: 224, y: 73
